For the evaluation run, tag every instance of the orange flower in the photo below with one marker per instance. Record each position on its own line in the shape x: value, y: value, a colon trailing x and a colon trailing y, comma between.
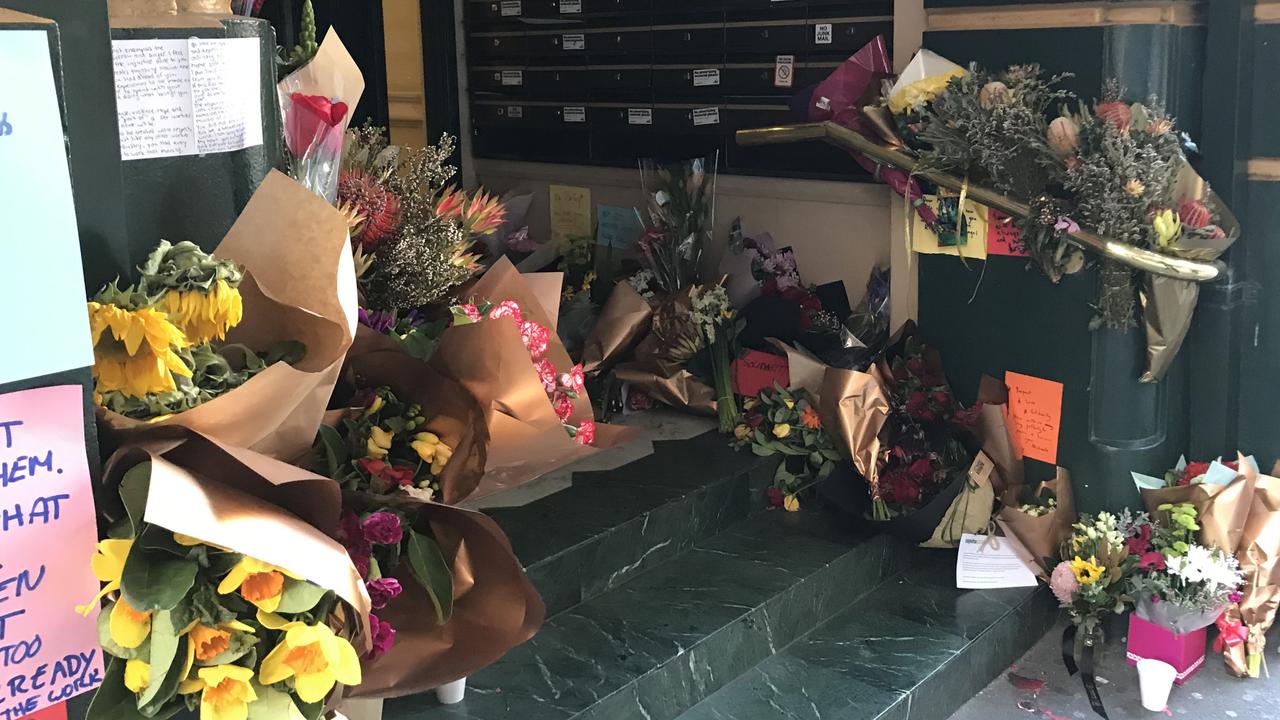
x: 809, y: 418
x: 209, y: 642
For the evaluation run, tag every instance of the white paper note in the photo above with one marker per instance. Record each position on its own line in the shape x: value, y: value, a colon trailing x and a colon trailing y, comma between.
x: 187, y: 97
x: 986, y: 562
x: 44, y: 319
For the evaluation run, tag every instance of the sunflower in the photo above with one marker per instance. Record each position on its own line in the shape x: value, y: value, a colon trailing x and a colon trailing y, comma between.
x: 138, y: 355
x: 1087, y: 572
x: 205, y: 315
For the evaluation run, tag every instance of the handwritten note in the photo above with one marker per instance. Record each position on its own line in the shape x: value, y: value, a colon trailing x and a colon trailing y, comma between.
x: 1034, y: 415
x: 617, y: 227
x: 950, y: 236
x: 48, y: 652
x: 40, y: 256
x: 570, y: 213
x: 1003, y: 237
x: 756, y: 371
x: 187, y: 97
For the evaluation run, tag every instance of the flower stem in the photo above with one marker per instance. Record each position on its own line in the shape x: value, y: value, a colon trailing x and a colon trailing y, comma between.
x: 726, y: 403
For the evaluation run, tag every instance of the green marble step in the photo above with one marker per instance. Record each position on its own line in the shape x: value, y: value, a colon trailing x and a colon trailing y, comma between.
x: 612, y: 525
x: 914, y: 649
x: 663, y: 640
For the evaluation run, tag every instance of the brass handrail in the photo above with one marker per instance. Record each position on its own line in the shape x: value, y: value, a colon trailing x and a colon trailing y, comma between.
x: 1135, y: 257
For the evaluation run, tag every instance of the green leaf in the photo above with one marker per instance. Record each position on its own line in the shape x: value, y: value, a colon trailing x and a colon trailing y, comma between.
x: 825, y: 469
x: 336, y: 455
x: 112, y: 648
x: 165, y: 640
x: 133, y: 493
x: 272, y: 704
x: 429, y: 567
x: 762, y: 450
x: 154, y: 580
x: 113, y: 701
x: 220, y: 563
x: 299, y: 596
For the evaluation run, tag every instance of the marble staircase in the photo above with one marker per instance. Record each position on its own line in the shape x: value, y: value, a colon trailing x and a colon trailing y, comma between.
x: 671, y: 594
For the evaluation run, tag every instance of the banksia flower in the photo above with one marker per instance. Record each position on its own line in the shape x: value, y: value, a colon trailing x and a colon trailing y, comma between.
x: 379, y: 207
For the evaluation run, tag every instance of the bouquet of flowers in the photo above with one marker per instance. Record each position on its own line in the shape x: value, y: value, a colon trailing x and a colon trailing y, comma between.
x: 413, y: 232
x: 1180, y: 584
x: 719, y: 326
x: 1093, y: 582
x: 244, y: 343
x: 218, y: 598
x: 786, y: 422
x: 315, y: 102
x: 1221, y: 493
x: 682, y: 215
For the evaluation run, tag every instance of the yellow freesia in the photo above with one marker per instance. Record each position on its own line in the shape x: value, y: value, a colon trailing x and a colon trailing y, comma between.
x: 374, y: 406
x: 137, y: 675
x: 1168, y: 227
x: 108, y: 565
x: 443, y: 454
x: 1087, y: 572
x: 379, y: 442
x: 791, y: 404
x: 426, y: 444
x: 791, y: 503
x: 260, y: 583
x: 225, y: 691
x: 781, y: 430
x: 129, y: 626
x: 315, y: 658
x: 205, y: 315
x: 741, y: 432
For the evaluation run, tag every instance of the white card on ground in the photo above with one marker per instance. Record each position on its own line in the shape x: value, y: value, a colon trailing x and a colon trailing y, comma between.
x: 187, y: 97
x: 44, y: 319
x: 988, y: 562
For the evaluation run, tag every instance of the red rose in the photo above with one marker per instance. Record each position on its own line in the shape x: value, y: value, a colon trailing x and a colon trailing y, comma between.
x: 755, y: 420
x: 905, y: 490
x: 774, y: 496
x: 1193, y: 471
x: 313, y: 121
x: 921, y: 468
x: 942, y: 397
x: 967, y: 417
x: 918, y: 406
x: 916, y: 366
x: 900, y: 372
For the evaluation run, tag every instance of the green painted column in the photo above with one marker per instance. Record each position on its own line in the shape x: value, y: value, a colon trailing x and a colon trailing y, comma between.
x: 1018, y: 320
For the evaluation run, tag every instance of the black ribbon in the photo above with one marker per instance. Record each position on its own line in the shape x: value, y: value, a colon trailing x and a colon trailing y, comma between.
x: 1085, y: 668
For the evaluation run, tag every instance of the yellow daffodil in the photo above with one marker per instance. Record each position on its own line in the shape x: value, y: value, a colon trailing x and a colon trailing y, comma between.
x: 379, y: 442
x: 315, y: 658
x: 1168, y: 227
x: 791, y: 503
x: 791, y: 404
x: 258, y: 582
x: 209, y: 642
x: 374, y: 406
x: 1087, y: 572
x: 225, y: 691
x: 137, y: 675
x: 781, y: 430
x: 129, y: 626
x: 741, y: 432
x: 205, y: 315
x: 138, y: 355
x: 108, y: 566
x: 188, y: 541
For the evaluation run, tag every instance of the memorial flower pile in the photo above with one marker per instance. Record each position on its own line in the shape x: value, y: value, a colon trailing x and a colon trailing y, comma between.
x: 154, y: 341
x: 196, y: 626
x: 786, y: 423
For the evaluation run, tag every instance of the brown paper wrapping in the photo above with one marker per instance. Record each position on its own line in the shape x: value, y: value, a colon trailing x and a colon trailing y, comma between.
x: 300, y: 285
x: 1259, y: 556
x: 623, y: 322
x: 854, y: 407
x: 1223, y: 510
x: 453, y: 414
x: 332, y: 73
x: 1043, y: 535
x: 658, y: 374
x: 995, y: 437
x: 526, y: 438
x: 157, y: 8
x: 495, y: 608
x: 251, y: 504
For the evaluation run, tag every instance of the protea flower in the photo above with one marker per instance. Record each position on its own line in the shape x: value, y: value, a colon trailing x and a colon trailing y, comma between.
x: 379, y: 207
x: 451, y: 203
x: 484, y: 214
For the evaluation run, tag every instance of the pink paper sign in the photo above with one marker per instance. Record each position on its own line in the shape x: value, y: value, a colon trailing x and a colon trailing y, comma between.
x: 1003, y: 237
x: 48, y: 652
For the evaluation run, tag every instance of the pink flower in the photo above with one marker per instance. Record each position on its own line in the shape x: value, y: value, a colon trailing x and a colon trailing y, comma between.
x: 354, y: 541
x: 563, y: 405
x: 536, y: 337
x: 586, y: 432
x: 1139, y: 543
x: 1152, y: 561
x: 383, y: 636
x: 382, y: 591
x: 470, y: 311
x: 1235, y: 596
x: 575, y: 379
x: 1063, y: 583
x: 383, y: 528
x: 547, y: 374
x: 507, y: 309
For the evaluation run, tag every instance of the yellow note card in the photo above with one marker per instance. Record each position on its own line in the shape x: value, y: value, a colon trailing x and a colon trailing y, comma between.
x: 948, y: 239
x: 570, y: 213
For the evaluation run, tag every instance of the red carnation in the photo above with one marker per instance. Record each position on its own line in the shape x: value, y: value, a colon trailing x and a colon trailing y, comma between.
x: 507, y: 309
x: 563, y: 405
x: 536, y: 337
x: 586, y: 432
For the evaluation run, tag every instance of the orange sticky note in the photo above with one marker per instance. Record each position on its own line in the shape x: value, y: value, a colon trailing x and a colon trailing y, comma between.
x: 1035, y: 415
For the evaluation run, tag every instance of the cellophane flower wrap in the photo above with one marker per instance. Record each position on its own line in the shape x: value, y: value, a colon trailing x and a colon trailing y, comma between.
x: 681, y: 208
x: 200, y: 339
x: 1180, y: 584
x: 224, y: 591
x: 316, y: 101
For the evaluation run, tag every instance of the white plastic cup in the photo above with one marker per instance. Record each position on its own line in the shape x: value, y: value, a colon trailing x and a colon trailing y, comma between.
x: 452, y: 693
x: 361, y: 709
x: 1155, y: 680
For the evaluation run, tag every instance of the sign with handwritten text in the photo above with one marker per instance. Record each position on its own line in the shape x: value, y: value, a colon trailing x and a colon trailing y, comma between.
x: 618, y: 227
x: 48, y: 651
x: 1003, y: 237
x: 570, y: 213
x: 42, y: 312
x: 1034, y: 415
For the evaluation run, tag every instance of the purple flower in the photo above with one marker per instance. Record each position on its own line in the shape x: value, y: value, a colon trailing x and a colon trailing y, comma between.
x: 1235, y: 596
x: 379, y: 320
x: 382, y: 591
x: 354, y: 540
x: 1066, y: 224
x: 383, y: 636
x: 383, y: 528
x: 1063, y: 583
